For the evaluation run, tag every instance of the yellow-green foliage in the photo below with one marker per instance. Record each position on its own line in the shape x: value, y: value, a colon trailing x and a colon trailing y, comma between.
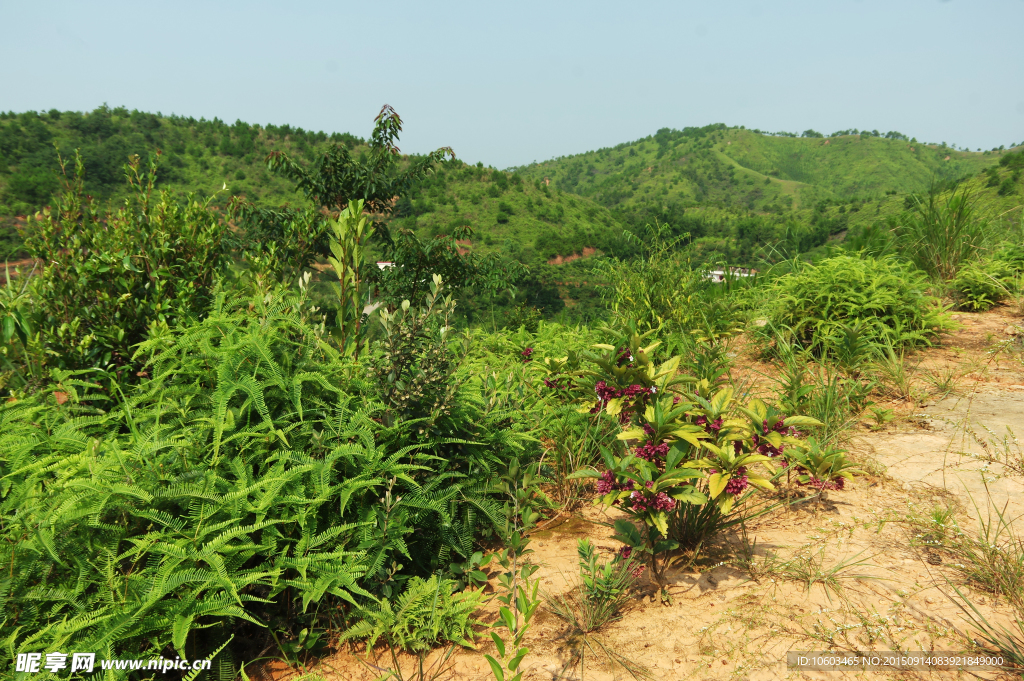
x: 885, y: 299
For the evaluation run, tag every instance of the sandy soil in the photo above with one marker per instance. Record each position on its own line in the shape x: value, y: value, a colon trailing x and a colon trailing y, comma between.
x: 844, y: 573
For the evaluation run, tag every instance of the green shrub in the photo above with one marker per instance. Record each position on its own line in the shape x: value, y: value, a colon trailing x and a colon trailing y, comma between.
x: 425, y: 616
x: 249, y: 482
x: 110, y: 280
x: 982, y: 284
x: 663, y: 289
x: 525, y: 316
x: 695, y: 444
x: 816, y: 304
x: 941, y: 234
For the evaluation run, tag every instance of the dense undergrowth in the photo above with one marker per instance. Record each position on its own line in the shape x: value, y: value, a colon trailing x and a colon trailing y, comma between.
x: 207, y: 451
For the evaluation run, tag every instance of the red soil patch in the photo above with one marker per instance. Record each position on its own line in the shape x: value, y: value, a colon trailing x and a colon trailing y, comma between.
x: 561, y: 260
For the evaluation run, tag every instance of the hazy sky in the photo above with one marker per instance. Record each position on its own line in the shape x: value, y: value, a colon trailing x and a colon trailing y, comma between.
x: 512, y: 82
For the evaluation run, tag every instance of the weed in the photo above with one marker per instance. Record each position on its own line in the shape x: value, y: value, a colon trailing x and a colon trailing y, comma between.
x: 843, y: 306
x: 602, y: 594
x: 882, y: 416
x: 940, y: 236
x: 573, y: 441
x: 1009, y: 641
x: 944, y: 380
x: 836, y: 401
x: 895, y: 373
x: 805, y: 567
x: 425, y: 615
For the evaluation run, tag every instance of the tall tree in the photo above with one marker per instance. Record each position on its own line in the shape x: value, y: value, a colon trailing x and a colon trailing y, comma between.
x: 289, y: 239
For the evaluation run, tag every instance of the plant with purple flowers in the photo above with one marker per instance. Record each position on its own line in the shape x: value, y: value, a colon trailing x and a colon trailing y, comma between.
x: 822, y: 467
x: 688, y: 442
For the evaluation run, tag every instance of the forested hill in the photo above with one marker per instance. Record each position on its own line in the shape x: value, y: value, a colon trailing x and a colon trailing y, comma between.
x: 525, y: 220
x: 197, y: 155
x: 733, y: 191
x: 739, y: 169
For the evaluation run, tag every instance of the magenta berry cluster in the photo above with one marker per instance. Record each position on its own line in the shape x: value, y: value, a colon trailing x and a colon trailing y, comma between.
x: 636, y: 393
x: 652, y: 452
x: 766, y: 448
x: 738, y: 482
x: 643, y: 500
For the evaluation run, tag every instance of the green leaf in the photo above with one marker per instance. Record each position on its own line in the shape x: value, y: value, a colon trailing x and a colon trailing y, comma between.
x: 689, y: 495
x: 801, y: 421
x: 498, y: 643
x: 499, y: 673
x: 514, y: 662
x: 627, y: 533
x: 717, y: 483
x: 660, y: 521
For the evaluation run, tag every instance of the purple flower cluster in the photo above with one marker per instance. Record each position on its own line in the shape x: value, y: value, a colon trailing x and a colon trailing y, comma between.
x: 625, y: 356
x: 605, y: 392
x: 636, y: 393
x: 738, y: 482
x: 606, y: 483
x: 766, y: 448
x: 836, y: 483
x: 557, y: 383
x: 527, y: 354
x: 652, y: 452
x: 624, y: 553
x: 715, y: 425
x: 641, y: 500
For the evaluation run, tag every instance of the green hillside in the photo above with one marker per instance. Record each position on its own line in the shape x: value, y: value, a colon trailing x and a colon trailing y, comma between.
x: 735, y: 168
x: 196, y: 155
x: 736, y: 191
x: 525, y: 219
x: 733, y: 191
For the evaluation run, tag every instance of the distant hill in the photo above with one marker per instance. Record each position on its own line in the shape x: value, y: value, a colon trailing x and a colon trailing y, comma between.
x: 733, y: 191
x: 738, y: 169
x: 197, y: 155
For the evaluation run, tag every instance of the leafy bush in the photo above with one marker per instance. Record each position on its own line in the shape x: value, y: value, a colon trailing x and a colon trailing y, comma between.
x: 110, y: 280
x: 663, y: 289
x: 603, y: 592
x: 525, y: 316
x: 247, y: 481
x: 691, y: 443
x: 816, y: 304
x: 982, y: 284
x: 426, y: 615
x: 940, y: 235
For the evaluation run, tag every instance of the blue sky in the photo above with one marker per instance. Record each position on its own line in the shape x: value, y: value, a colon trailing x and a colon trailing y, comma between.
x: 508, y: 83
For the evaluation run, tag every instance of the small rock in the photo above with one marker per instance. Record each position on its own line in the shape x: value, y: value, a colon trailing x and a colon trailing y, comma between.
x: 906, y: 487
x: 1011, y: 331
x: 929, y: 600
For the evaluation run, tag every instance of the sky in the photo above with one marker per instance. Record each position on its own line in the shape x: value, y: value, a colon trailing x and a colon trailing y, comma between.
x: 515, y: 82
